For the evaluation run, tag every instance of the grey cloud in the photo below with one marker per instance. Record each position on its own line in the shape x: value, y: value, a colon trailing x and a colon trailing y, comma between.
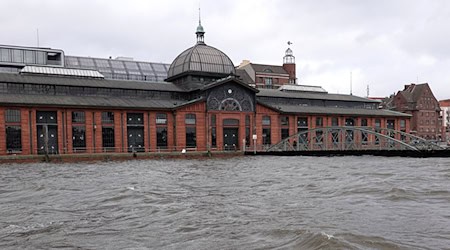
x: 386, y: 43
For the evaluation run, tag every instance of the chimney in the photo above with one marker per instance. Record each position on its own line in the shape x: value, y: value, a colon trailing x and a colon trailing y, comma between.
x: 243, y: 63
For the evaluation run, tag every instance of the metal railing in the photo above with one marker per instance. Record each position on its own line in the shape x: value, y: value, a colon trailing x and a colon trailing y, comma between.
x: 353, y: 138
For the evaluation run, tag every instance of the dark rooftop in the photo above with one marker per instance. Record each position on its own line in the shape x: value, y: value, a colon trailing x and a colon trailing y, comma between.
x: 332, y: 110
x: 310, y: 95
x: 87, y: 82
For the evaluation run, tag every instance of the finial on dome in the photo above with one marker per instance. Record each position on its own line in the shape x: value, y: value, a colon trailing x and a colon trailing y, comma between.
x: 200, y: 31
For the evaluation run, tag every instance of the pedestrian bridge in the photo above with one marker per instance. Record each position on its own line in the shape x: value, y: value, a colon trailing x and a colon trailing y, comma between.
x: 353, y: 139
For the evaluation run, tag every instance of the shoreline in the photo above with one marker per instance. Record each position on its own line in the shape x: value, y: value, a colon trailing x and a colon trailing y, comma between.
x: 68, y: 158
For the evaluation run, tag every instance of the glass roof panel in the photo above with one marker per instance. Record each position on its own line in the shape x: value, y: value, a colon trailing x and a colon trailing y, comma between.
x: 86, y: 62
x: 145, y: 66
x: 102, y: 63
x: 72, y: 61
x: 117, y: 64
x: 159, y: 67
x: 131, y: 65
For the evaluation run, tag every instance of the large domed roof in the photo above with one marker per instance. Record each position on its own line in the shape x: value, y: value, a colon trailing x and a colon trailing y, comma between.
x: 201, y: 59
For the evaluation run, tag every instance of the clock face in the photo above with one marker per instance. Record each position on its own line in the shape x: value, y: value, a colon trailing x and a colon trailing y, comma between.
x: 230, y: 91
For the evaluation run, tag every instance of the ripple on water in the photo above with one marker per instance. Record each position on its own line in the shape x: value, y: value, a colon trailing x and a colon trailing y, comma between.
x: 236, y: 203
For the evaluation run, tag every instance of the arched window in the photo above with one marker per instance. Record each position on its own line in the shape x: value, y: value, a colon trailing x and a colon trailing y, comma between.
x: 230, y: 104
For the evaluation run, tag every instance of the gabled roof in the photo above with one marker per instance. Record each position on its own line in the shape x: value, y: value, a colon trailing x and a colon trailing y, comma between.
x: 229, y: 79
x: 244, y: 76
x: 264, y: 68
x: 413, y: 92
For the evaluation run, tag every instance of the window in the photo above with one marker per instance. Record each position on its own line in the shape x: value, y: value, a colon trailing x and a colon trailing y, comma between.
x: 78, y: 138
x: 390, y: 124
x: 319, y: 121
x: 191, y: 137
x: 349, y: 122
x: 247, y: 130
x: 12, y: 115
x: 190, y: 119
x: 266, y: 121
x: 107, y: 117
x: 334, y: 121
x: 135, y: 119
x: 108, y: 138
x: 230, y: 105
x: 284, y: 121
x: 377, y: 123
x: 13, y: 138
x: 78, y: 131
x: 17, y: 56
x: 161, y: 137
x: 161, y: 118
x: 46, y: 117
x: 5, y: 55
x: 364, y: 122
x: 266, y: 136
x: 108, y: 141
x: 378, y: 130
x: 402, y: 124
x: 78, y: 117
x: 319, y: 137
x: 302, y: 122
x: 302, y: 125
x: 213, y: 131
x: 30, y: 57
x: 266, y: 130
x: 284, y: 133
x: 284, y: 127
x: 135, y: 132
x: 268, y: 81
x: 191, y: 133
x: 161, y: 131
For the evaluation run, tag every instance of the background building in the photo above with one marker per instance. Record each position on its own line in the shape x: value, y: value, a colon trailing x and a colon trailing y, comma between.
x: 419, y: 101
x: 269, y: 76
x: 445, y: 114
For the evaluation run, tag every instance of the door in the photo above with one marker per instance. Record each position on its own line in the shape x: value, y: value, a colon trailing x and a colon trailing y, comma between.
x: 47, y: 139
x: 135, y: 139
x: 230, y: 139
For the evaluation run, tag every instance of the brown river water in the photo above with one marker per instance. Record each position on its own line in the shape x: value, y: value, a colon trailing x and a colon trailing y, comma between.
x: 254, y: 202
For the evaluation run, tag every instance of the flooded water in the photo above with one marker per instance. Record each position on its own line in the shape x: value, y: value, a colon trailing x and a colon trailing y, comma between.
x: 260, y: 202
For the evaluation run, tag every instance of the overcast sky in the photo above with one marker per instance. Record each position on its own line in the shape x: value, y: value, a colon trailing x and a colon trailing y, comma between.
x: 383, y: 44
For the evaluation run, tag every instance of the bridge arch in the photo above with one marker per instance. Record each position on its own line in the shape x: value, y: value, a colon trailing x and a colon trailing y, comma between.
x: 353, y: 138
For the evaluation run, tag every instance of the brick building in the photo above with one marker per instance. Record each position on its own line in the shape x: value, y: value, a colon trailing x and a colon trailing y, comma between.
x: 445, y: 114
x: 53, y: 103
x: 269, y: 76
x: 419, y: 101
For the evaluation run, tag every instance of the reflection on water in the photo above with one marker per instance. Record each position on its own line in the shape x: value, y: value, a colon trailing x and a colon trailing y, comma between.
x: 238, y: 203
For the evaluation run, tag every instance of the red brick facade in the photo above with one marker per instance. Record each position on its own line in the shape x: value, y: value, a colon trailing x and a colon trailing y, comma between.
x: 176, y: 131
x: 419, y: 101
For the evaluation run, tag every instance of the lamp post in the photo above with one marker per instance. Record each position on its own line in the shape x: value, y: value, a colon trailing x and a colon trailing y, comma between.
x: 254, y: 143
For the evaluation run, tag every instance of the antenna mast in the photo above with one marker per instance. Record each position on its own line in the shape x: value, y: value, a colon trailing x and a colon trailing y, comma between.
x: 351, y: 90
x: 37, y: 37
